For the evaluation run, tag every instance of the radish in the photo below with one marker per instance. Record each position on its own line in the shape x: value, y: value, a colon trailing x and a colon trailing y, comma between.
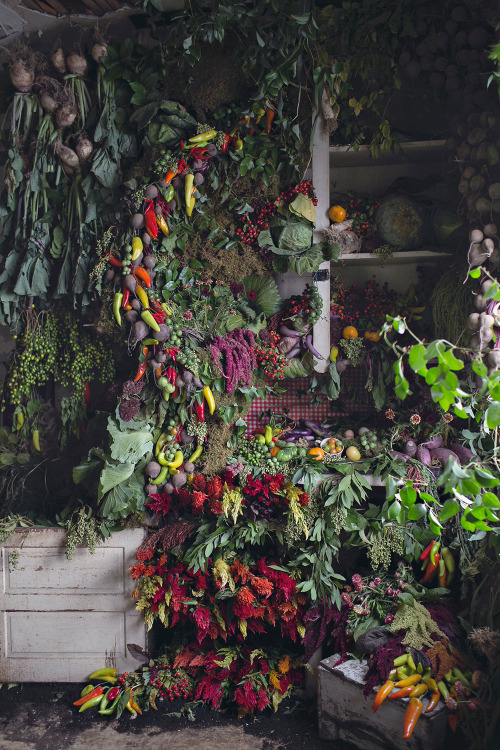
x: 58, y: 59
x: 473, y: 322
x: 76, y: 62
x: 68, y: 157
x: 66, y: 114
x: 99, y: 50
x: 22, y: 67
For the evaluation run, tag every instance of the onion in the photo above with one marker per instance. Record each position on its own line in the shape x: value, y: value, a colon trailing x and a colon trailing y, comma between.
x: 58, y: 59
x: 76, y: 62
x: 84, y: 147
x: 66, y: 155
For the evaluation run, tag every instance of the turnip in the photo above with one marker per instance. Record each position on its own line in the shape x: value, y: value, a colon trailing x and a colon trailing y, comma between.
x: 49, y: 93
x: 477, y: 183
x: 469, y: 172
x: 490, y: 230
x: 68, y: 157
x: 488, y: 245
x: 473, y: 322
x: 130, y: 282
x: 146, y: 239
x: 66, y: 114
x: 188, y: 467
x: 494, y: 191
x: 149, y: 261
x: 476, y: 257
x: 480, y: 303
x: 410, y: 448
x: 99, y: 49
x: 84, y: 147
x: 475, y: 343
x: 463, y: 186
x: 153, y: 469
x: 76, y: 62
x: 494, y: 358
x: 163, y: 334
x: 131, y: 316
x: 22, y: 67
x: 179, y: 480
x: 151, y: 192
x: 485, y: 286
x: 136, y: 305
x: 58, y: 59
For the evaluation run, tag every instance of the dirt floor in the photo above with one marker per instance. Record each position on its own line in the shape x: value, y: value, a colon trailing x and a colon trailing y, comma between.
x: 41, y: 717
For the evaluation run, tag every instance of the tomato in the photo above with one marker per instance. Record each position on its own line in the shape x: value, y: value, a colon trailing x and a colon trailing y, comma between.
x: 350, y: 332
x: 353, y: 454
x: 337, y: 214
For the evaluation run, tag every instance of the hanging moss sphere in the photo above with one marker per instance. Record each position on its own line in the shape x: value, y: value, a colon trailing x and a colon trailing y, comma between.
x: 401, y: 222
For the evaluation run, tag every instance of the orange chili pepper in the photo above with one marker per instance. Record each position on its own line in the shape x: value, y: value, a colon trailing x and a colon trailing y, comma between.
x: 382, y: 694
x: 453, y: 722
x: 411, y: 680
x: 143, y: 275
x: 418, y: 690
x: 170, y: 176
x: 430, y: 569
x: 403, y: 693
x: 93, y: 693
x: 412, y: 715
x: 434, y: 700
x: 270, y: 113
x: 274, y: 451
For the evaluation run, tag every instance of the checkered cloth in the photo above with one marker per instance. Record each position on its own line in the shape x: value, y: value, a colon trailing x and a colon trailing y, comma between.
x: 296, y: 402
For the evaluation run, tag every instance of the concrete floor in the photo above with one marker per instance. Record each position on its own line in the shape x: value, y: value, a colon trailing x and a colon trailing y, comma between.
x: 41, y: 717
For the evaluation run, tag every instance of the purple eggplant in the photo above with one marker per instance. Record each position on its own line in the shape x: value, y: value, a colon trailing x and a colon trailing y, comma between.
x: 423, y: 455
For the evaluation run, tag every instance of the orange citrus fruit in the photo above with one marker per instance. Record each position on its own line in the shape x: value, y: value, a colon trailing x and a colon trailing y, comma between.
x: 350, y: 332
x: 337, y: 214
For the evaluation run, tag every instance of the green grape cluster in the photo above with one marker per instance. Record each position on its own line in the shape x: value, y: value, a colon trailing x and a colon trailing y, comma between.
x: 82, y: 529
x: 34, y: 358
x: 82, y: 358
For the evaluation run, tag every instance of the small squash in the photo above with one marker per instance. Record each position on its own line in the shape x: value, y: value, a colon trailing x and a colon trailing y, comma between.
x: 316, y: 453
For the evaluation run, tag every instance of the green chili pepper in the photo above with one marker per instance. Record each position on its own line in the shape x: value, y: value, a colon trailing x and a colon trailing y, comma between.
x: 443, y: 690
x: 411, y: 663
x: 111, y: 708
x: 434, y: 549
x: 150, y: 342
x: 95, y: 701
x: 161, y: 476
x: 117, y: 303
x: 400, y: 660
x: 36, y: 439
x: 149, y: 320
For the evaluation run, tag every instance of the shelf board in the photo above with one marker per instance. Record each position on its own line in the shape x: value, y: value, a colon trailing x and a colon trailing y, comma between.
x: 410, y: 151
x: 398, y: 259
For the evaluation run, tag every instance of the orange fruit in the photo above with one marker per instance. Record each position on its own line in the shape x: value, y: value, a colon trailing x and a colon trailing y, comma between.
x: 350, y: 332
x: 337, y: 214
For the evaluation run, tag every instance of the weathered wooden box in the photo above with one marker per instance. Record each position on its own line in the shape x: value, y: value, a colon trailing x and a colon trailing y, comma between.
x: 344, y: 713
x: 60, y: 619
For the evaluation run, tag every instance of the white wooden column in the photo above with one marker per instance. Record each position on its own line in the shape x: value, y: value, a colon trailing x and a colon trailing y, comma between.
x: 321, y: 182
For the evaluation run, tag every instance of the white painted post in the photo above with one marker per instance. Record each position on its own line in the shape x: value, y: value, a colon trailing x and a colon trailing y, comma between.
x: 321, y: 182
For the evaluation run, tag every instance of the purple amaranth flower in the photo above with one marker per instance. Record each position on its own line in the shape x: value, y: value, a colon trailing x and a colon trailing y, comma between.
x: 251, y: 295
x: 388, y: 619
x: 357, y: 582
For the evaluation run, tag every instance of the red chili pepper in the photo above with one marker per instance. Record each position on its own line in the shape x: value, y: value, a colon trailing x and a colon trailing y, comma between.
x: 159, y: 317
x: 200, y: 410
x: 114, y: 261
x: 430, y: 570
x: 181, y: 164
x: 171, y: 374
x: 140, y: 371
x: 93, y: 693
x: 453, y: 722
x: 126, y: 297
x: 225, y: 144
x: 427, y: 551
x: 151, y: 225
x: 403, y: 693
x: 86, y: 395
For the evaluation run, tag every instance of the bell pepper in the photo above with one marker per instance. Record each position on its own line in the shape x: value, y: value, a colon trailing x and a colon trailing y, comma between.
x: 412, y: 715
x: 151, y: 322
x: 137, y: 248
x: 411, y: 680
x: 117, y: 301
x: 143, y: 275
x: 160, y: 220
x: 151, y: 225
x: 403, y: 693
x: 92, y: 694
x: 382, y: 694
x: 209, y: 397
x: 433, y: 701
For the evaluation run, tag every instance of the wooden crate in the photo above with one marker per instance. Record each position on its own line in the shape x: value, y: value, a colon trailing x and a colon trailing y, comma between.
x: 344, y: 713
x: 60, y: 619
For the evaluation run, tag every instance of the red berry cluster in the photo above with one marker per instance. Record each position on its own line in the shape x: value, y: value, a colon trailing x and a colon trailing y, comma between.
x: 361, y: 212
x: 370, y: 303
x: 303, y: 305
x: 270, y: 358
x: 263, y: 211
x: 176, y: 687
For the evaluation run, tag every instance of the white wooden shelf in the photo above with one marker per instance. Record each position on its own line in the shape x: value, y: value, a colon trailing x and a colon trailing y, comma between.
x: 397, y: 259
x: 409, y: 151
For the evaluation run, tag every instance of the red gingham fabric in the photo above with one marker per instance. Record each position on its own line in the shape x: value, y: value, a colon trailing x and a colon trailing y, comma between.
x: 298, y: 404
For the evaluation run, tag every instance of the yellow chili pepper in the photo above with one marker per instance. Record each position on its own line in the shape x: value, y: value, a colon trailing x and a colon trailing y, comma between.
x: 160, y: 443
x: 178, y: 459
x: 209, y: 398
x: 36, y: 439
x: 137, y: 247
x: 432, y: 684
x: 189, y: 190
x: 19, y: 418
x: 143, y: 297
x: 104, y: 672
x: 411, y: 680
x: 206, y: 136
x: 418, y: 691
x: 148, y: 318
x: 162, y: 224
